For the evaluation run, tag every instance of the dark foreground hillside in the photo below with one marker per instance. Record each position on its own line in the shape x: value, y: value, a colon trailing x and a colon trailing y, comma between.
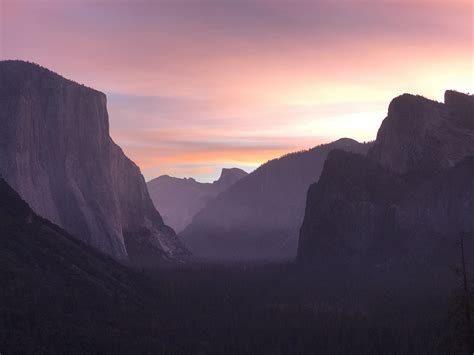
x: 57, y: 294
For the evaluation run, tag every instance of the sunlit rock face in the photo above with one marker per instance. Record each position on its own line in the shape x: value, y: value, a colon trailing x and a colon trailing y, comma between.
x: 55, y: 150
x: 260, y: 215
x: 409, y: 199
x: 178, y: 200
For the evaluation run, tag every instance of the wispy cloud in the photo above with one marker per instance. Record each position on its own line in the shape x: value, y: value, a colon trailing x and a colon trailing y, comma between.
x: 238, y: 82
x: 159, y: 131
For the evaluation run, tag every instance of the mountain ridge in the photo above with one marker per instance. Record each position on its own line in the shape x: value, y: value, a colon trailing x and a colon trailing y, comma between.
x: 259, y: 216
x: 180, y: 199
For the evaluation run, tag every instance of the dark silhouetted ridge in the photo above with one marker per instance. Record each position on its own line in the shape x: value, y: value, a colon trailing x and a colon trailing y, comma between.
x: 53, y: 283
x: 407, y: 201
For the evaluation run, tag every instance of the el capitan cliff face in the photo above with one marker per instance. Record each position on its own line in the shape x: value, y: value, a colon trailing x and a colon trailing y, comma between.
x: 408, y: 200
x: 55, y: 150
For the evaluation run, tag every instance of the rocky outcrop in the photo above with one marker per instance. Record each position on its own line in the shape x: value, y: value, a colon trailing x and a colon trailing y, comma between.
x: 55, y: 150
x: 179, y: 200
x: 423, y: 135
x: 408, y: 200
x: 260, y: 215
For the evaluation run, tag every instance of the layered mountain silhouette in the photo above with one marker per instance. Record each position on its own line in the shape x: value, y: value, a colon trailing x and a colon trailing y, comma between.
x: 56, y: 152
x: 178, y: 200
x: 408, y: 200
x: 260, y: 215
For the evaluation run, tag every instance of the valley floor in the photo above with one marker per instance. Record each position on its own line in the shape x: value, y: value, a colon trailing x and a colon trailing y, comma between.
x: 259, y: 308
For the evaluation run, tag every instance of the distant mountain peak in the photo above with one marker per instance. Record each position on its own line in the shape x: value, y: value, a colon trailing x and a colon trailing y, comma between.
x: 230, y: 175
x: 179, y: 199
x: 345, y: 142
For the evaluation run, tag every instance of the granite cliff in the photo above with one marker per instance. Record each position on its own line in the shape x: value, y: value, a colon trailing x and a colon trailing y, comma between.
x: 408, y: 200
x: 56, y: 152
x: 424, y: 135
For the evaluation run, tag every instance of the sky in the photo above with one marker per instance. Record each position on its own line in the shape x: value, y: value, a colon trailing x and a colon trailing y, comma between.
x: 194, y: 86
